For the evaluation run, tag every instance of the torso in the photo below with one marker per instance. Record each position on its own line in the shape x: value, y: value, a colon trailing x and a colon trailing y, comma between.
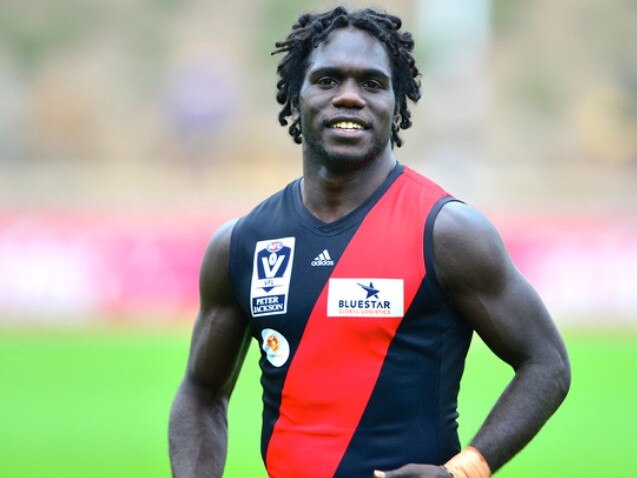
x: 361, y: 355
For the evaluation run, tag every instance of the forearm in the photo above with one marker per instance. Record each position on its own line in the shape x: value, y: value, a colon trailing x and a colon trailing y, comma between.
x: 535, y: 392
x: 197, y: 434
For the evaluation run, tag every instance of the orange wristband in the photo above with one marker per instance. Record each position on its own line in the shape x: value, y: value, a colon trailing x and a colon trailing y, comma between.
x: 469, y: 463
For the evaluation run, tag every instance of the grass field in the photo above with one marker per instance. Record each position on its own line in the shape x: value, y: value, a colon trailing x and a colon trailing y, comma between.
x: 94, y: 403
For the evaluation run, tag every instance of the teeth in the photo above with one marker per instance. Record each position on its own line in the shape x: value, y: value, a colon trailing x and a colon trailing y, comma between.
x: 346, y: 125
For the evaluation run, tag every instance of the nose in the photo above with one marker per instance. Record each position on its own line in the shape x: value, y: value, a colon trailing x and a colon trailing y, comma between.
x: 349, y: 95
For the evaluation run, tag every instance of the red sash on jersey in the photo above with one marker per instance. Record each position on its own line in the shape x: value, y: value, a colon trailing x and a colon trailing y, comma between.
x: 339, y: 359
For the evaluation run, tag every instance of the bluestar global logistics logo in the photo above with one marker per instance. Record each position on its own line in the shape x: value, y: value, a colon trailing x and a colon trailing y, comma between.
x: 365, y: 298
x: 271, y: 273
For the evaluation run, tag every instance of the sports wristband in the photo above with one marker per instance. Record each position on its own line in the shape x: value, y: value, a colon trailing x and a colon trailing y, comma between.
x: 469, y: 463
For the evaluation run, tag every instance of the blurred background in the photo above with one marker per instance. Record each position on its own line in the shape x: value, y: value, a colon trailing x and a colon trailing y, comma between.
x: 130, y: 130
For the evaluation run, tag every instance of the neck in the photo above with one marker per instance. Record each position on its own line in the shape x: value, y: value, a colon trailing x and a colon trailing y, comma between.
x: 330, y: 195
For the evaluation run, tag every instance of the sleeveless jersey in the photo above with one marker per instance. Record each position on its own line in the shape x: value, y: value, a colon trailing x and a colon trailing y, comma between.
x: 361, y: 355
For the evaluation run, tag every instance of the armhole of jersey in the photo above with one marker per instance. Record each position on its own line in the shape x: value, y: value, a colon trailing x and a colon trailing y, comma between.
x: 429, y: 244
x: 232, y: 266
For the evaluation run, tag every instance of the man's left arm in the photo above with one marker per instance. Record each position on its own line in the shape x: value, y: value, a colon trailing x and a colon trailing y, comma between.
x: 474, y: 267
x: 489, y: 292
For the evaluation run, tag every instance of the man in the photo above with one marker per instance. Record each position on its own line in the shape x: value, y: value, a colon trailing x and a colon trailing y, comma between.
x: 362, y: 282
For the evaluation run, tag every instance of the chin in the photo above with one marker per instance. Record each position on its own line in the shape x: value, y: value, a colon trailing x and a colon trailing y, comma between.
x: 344, y: 161
x: 347, y: 162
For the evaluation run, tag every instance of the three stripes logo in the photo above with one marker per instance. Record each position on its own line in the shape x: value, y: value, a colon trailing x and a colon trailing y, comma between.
x: 323, y: 259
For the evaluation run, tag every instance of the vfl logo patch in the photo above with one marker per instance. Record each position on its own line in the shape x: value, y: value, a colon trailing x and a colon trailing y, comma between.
x: 271, y: 272
x: 365, y: 298
x: 275, y: 346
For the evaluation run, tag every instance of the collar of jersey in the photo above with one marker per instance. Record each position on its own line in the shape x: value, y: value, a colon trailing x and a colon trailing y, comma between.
x: 310, y: 221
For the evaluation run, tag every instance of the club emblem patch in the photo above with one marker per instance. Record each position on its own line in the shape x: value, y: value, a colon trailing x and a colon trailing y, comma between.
x: 271, y: 272
x: 366, y: 297
x: 275, y: 346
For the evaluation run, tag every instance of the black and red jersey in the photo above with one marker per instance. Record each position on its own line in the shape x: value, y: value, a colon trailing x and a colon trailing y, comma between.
x: 361, y: 355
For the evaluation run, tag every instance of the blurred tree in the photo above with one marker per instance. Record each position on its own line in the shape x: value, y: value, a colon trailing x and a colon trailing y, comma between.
x: 32, y: 30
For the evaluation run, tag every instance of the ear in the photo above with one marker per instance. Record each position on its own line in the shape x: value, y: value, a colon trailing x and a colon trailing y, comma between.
x: 295, y: 114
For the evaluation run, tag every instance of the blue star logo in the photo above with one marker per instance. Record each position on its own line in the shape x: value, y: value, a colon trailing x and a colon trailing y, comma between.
x: 371, y: 291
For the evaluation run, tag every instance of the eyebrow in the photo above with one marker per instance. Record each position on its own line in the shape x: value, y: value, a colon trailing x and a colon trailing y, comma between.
x: 334, y: 71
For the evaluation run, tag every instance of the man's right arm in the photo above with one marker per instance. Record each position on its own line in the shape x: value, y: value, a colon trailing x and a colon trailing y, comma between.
x: 198, y: 417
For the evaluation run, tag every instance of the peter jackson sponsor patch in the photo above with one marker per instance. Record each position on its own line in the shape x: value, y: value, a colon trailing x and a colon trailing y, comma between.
x: 271, y: 273
x: 365, y: 297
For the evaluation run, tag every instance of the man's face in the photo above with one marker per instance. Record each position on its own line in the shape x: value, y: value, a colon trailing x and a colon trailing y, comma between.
x: 347, y: 102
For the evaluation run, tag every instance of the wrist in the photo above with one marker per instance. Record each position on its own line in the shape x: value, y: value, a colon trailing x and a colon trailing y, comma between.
x: 469, y: 463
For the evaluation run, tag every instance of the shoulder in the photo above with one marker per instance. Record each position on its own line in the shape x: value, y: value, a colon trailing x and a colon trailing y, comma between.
x: 219, y: 245
x: 424, y: 183
x: 274, y: 201
x: 468, y: 250
x: 213, y: 278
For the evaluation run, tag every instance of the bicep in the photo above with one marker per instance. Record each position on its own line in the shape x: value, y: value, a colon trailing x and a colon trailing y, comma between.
x: 220, y: 336
x: 512, y: 320
x: 486, y: 288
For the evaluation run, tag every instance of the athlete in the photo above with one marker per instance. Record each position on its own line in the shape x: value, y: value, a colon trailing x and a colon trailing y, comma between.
x: 362, y: 283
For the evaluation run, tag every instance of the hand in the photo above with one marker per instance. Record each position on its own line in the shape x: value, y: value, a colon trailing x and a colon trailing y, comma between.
x: 415, y: 471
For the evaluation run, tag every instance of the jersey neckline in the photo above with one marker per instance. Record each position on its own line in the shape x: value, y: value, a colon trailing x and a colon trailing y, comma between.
x: 310, y: 221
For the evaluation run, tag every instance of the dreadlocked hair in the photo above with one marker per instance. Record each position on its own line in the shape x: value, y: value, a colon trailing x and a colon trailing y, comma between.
x: 313, y: 28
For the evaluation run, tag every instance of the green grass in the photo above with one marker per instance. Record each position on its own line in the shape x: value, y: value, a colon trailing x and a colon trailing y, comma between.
x: 94, y: 403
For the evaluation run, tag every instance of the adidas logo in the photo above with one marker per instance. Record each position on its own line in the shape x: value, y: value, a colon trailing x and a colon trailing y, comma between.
x: 323, y: 259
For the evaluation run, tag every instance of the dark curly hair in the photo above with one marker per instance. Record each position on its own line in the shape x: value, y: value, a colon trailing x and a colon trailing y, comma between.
x: 313, y: 28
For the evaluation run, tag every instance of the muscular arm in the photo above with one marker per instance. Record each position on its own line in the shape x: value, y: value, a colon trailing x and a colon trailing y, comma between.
x: 198, y: 417
x: 486, y: 288
x: 473, y: 266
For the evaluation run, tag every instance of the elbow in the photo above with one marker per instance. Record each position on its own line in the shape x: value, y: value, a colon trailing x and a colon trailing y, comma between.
x: 552, y: 374
x: 562, y: 375
x: 206, y: 392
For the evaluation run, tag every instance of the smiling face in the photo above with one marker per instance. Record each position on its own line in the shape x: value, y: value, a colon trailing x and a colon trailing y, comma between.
x: 347, y: 102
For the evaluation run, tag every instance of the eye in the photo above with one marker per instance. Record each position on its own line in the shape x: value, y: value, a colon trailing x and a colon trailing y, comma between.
x: 326, y: 82
x: 373, y: 85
